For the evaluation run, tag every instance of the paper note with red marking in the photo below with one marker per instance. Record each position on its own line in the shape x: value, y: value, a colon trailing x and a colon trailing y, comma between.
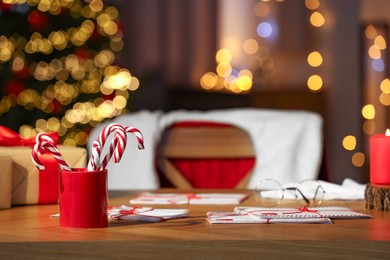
x: 188, y: 198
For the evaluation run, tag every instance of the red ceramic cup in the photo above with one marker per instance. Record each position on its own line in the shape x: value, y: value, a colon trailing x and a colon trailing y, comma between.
x: 83, y: 198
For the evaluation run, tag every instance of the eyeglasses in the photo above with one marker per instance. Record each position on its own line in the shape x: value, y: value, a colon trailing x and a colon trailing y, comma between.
x: 270, y: 192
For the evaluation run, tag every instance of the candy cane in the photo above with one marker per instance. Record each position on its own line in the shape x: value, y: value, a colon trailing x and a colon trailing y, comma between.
x: 94, y: 162
x: 118, y: 145
x: 107, y: 130
x: 52, y: 148
x: 137, y: 134
x: 43, y: 137
x: 116, y: 148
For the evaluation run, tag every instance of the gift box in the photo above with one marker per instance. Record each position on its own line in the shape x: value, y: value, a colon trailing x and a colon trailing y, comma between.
x: 5, y: 181
x: 28, y: 184
x: 32, y: 186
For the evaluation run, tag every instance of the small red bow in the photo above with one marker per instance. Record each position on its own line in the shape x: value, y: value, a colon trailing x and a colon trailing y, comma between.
x: 10, y: 138
x: 192, y: 196
x: 306, y: 209
x: 301, y: 210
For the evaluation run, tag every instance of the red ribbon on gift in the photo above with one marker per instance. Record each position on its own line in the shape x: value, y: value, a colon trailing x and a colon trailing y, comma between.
x: 48, y: 182
x: 10, y: 138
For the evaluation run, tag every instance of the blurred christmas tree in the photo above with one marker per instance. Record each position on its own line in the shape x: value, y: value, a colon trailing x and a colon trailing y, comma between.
x: 57, y: 67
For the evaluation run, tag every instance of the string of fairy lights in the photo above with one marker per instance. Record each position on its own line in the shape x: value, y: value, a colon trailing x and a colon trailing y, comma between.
x: 315, y: 58
x: 260, y: 65
x: 375, y: 53
x: 92, y: 71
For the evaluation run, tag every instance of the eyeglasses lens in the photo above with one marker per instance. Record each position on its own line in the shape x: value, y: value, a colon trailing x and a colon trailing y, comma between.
x: 312, y: 190
x: 269, y: 193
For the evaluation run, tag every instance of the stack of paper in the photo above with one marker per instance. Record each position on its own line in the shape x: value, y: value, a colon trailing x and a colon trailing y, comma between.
x: 302, y: 212
x: 231, y: 217
x: 199, y: 198
x: 303, y: 215
x: 145, y: 214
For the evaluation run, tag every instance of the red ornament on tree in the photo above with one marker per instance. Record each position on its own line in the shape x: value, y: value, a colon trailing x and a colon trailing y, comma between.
x: 58, y: 107
x: 14, y: 88
x: 23, y: 73
x: 38, y: 20
x: 82, y: 52
x: 5, y: 7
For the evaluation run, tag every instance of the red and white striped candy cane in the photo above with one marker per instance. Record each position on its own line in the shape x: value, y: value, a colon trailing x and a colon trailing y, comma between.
x: 116, y: 148
x: 94, y: 162
x: 118, y: 145
x: 138, y: 135
x: 43, y: 137
x: 52, y: 148
x: 107, y: 130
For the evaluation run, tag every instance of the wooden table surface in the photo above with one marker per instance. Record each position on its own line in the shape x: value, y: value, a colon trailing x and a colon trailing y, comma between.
x: 29, y: 232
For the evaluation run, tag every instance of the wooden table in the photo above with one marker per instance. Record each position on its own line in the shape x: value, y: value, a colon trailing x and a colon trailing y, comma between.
x: 28, y: 231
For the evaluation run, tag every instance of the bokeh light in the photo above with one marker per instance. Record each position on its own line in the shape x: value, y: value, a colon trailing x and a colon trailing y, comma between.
x: 385, y: 86
x: 250, y: 46
x: 371, y: 32
x: 262, y: 9
x: 264, y: 29
x: 368, y: 111
x: 358, y: 159
x: 380, y: 42
x: 369, y: 127
x: 349, y: 142
x: 317, y: 19
x: 378, y: 65
x: 223, y: 55
x: 374, y: 52
x: 312, y: 4
x: 314, y: 83
x: 314, y: 59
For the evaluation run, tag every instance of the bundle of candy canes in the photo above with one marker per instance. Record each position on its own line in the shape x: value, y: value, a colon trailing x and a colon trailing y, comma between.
x: 116, y: 148
x: 44, y: 143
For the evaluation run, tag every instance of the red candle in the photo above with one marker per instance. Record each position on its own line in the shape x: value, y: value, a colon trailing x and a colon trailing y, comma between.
x: 380, y: 158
